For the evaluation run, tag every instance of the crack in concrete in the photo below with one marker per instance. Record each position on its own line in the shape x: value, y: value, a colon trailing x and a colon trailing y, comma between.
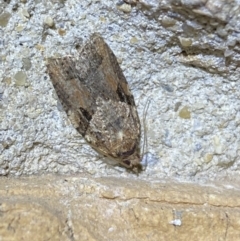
x: 69, y: 229
x: 226, y: 231
x: 168, y: 202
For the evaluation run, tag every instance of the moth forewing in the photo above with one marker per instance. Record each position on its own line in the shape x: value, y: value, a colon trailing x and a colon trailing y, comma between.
x: 96, y: 96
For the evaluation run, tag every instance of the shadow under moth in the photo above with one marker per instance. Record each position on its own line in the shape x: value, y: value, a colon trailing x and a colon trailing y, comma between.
x: 95, y: 95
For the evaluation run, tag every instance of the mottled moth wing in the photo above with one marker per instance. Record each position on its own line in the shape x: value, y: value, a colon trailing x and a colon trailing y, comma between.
x: 96, y: 97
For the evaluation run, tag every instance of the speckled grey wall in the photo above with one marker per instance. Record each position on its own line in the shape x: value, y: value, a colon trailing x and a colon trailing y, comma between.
x: 182, y: 56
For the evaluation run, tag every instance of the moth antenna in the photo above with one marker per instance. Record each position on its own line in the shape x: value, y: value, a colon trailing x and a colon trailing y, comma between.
x: 145, y: 141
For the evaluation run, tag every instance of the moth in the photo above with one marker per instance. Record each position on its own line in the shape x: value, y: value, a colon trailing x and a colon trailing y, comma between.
x: 96, y: 97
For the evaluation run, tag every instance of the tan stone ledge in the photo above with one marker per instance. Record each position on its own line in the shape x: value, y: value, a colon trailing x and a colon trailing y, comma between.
x: 87, y: 208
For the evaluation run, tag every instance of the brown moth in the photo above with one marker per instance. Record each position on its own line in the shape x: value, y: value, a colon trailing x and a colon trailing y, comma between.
x: 95, y: 95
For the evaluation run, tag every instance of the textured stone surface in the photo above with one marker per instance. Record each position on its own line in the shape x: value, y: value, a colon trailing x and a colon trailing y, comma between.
x: 177, y: 53
x: 184, y: 56
x: 87, y: 208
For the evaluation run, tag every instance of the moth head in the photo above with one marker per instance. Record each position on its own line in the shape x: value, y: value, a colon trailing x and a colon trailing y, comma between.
x: 133, y: 163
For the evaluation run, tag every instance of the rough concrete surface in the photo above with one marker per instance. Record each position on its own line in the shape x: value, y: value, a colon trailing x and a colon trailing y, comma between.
x: 84, y: 208
x: 181, y: 57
